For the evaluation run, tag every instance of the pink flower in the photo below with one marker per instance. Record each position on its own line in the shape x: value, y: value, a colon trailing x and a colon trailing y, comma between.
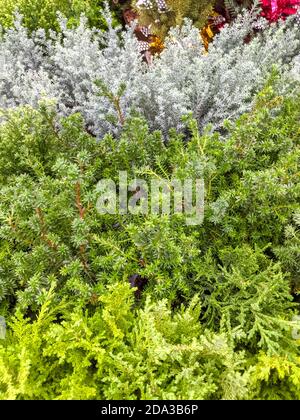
x: 276, y: 9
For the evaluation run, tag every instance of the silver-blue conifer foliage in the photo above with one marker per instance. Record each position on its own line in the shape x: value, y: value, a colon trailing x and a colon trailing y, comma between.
x: 214, y: 86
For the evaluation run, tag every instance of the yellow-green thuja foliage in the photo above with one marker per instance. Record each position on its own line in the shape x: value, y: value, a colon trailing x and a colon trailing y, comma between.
x: 125, y: 352
x: 43, y: 13
x: 118, y: 352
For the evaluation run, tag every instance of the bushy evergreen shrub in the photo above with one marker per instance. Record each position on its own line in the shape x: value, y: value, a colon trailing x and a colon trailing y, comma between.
x: 215, y: 86
x: 119, y: 353
x: 235, y: 262
x: 111, y: 306
x: 43, y: 13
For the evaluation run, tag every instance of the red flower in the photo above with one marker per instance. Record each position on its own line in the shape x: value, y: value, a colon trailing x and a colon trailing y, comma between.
x: 276, y: 9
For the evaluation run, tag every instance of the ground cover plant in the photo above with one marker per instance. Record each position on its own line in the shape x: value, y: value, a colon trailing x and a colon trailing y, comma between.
x: 104, y: 305
x: 44, y: 13
x: 215, y: 86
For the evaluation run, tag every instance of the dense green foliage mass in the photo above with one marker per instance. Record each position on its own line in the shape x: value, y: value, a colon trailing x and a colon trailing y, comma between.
x: 43, y: 13
x: 119, y: 354
x: 213, y: 318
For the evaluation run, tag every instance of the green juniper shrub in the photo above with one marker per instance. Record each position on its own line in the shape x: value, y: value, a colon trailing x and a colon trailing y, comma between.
x: 50, y: 224
x: 289, y: 252
x: 235, y: 261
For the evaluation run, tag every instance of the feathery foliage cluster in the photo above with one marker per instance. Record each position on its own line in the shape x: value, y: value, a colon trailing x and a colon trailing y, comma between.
x: 235, y: 263
x: 118, y: 354
x: 219, y: 85
x: 146, y: 306
x: 44, y: 13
